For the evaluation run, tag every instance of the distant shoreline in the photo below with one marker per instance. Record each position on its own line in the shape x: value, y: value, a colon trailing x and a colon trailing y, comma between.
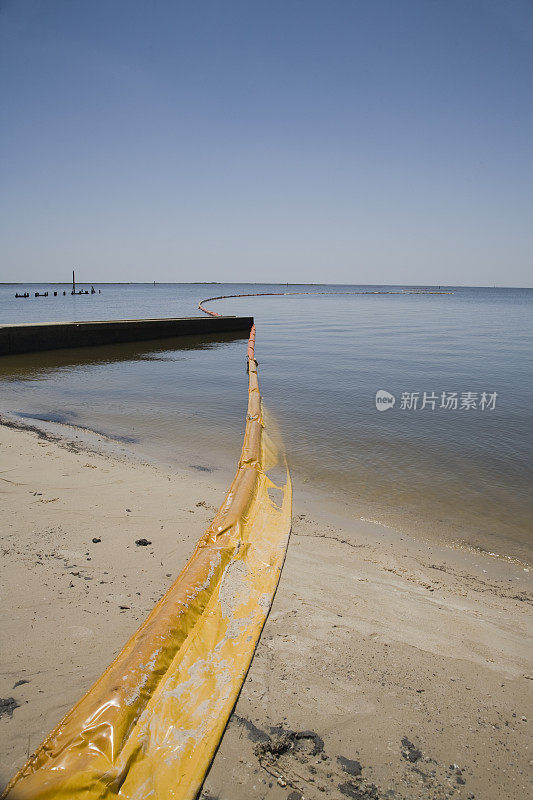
x: 251, y: 283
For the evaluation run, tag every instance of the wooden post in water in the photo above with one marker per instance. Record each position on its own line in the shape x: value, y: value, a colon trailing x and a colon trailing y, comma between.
x: 73, y: 283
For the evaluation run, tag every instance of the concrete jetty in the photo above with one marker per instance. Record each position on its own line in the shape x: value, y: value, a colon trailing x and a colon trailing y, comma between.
x: 32, y: 337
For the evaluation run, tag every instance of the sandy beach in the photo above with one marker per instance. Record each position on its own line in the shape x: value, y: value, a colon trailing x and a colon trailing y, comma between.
x: 389, y: 667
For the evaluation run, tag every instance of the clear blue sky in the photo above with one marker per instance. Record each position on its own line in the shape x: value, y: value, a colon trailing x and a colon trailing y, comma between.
x: 362, y: 141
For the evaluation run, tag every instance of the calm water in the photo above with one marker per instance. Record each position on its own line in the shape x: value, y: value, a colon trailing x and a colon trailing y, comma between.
x: 460, y: 474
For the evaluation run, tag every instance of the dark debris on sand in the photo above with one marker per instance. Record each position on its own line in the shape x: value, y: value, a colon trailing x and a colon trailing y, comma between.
x: 7, y: 706
x: 410, y: 752
x: 349, y: 766
x: 297, y: 760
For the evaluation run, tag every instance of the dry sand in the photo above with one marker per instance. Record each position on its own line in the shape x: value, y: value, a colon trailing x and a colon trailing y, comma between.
x: 388, y: 668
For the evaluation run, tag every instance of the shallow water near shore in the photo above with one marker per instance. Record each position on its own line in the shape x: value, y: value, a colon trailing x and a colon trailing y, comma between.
x: 460, y: 475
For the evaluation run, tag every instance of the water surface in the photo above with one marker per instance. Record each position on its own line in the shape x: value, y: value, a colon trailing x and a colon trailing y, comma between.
x: 461, y: 475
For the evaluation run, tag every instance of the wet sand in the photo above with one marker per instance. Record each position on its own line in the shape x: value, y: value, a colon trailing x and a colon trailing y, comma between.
x: 388, y: 667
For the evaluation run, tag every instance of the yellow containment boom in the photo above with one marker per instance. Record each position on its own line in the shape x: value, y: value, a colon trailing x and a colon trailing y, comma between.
x: 149, y: 727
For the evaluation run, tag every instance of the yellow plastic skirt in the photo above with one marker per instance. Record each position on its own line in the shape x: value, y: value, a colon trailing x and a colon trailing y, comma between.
x: 150, y: 725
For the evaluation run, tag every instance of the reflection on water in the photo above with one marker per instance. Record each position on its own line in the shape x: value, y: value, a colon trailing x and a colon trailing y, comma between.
x: 33, y: 366
x: 448, y: 473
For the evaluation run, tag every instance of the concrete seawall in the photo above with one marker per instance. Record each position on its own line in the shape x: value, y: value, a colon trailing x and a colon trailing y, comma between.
x: 32, y: 337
